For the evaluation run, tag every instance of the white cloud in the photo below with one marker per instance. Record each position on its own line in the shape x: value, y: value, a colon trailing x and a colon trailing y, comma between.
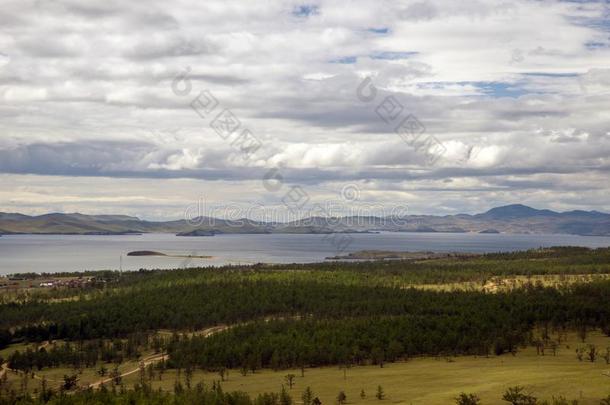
x: 510, y: 88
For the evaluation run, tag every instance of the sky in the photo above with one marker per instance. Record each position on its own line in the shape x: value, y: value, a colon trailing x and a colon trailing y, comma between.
x: 437, y: 106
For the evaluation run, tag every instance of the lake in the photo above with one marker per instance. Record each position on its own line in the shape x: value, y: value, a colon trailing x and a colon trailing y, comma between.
x: 57, y: 253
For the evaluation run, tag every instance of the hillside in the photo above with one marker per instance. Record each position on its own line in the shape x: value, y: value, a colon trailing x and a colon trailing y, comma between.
x: 515, y: 218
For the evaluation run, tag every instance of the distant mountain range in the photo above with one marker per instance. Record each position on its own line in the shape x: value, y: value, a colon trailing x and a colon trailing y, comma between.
x: 515, y: 218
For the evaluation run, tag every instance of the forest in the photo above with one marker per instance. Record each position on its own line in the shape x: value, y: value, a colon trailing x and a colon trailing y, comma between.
x: 316, y: 324
x: 301, y: 316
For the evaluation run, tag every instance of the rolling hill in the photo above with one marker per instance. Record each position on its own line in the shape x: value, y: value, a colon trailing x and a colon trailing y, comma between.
x: 514, y: 218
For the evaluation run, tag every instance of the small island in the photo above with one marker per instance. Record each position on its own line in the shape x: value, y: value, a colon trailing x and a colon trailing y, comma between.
x: 145, y: 253
x: 391, y: 255
x: 489, y: 231
x: 153, y: 253
x: 200, y: 232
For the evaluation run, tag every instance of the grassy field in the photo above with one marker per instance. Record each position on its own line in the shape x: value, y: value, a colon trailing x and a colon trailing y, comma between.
x: 418, y: 381
x: 497, y: 284
x: 434, y: 381
x: 7, y: 351
x: 438, y: 380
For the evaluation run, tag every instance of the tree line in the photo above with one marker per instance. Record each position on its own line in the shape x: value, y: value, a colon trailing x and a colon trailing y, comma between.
x: 84, y: 354
x: 238, y: 298
x: 307, y: 323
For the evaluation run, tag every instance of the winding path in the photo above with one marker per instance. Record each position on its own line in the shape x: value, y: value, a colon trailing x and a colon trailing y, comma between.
x: 157, y: 357
x: 4, y: 369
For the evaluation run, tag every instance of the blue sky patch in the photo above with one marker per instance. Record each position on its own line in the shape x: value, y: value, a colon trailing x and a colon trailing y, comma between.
x: 595, y: 45
x: 501, y: 89
x: 490, y: 89
x: 383, y: 30
x: 601, y: 24
x: 306, y: 10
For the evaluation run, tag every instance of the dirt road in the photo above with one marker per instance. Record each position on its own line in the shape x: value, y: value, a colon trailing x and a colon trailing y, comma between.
x: 157, y: 357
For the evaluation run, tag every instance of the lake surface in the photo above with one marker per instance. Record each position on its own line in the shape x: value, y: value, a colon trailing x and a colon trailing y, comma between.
x: 57, y: 253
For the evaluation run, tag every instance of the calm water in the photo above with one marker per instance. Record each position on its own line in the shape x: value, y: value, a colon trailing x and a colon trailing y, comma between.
x: 56, y: 253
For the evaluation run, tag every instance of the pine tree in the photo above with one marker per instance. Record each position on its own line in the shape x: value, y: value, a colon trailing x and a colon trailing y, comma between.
x: 307, y: 396
x: 285, y: 398
x: 341, y: 398
x: 379, y: 394
x: 290, y: 380
x: 467, y: 399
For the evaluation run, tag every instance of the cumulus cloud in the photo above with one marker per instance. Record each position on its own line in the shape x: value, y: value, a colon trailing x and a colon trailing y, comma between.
x: 519, y: 113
